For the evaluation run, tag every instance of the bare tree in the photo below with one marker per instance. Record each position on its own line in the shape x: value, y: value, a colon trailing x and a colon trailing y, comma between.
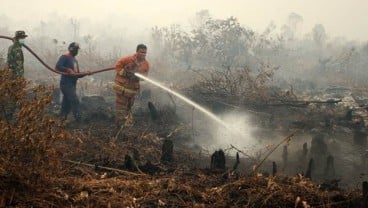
x: 319, y: 35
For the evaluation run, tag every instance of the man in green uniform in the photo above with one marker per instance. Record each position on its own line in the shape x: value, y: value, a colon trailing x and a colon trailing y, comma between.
x: 15, y: 58
x: 15, y: 62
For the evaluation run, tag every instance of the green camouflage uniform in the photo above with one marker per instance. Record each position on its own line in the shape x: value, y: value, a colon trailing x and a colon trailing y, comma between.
x: 16, y: 59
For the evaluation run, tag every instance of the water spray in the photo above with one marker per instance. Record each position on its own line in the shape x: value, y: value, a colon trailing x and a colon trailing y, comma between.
x: 187, y: 100
x: 234, y: 132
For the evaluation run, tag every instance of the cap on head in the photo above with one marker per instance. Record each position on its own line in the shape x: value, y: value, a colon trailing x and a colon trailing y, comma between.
x: 74, y: 45
x: 20, y: 34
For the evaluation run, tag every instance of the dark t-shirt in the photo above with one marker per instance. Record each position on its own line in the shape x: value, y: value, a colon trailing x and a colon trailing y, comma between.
x: 67, y: 61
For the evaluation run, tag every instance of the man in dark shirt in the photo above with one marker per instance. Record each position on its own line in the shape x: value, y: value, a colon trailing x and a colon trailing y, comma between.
x: 68, y: 83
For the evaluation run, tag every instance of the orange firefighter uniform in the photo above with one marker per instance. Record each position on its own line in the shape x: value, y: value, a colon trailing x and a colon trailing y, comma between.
x: 126, y: 85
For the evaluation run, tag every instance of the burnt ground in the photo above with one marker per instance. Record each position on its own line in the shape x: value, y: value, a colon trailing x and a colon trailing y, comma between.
x: 155, y: 164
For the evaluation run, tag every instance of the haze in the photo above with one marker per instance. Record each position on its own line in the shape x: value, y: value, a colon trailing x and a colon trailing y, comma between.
x: 341, y: 18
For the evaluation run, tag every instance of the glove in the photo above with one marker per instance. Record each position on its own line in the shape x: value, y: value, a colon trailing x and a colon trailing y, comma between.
x: 130, y: 75
x: 122, y: 72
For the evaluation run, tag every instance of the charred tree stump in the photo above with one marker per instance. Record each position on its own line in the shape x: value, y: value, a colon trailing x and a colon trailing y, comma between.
x: 167, y: 154
x: 153, y: 111
x: 330, y: 168
x: 284, y: 158
x: 365, y: 193
x: 318, y: 147
x: 237, y: 162
x: 218, y: 160
x: 308, y: 173
x: 303, y: 158
x: 274, y: 168
x: 129, y: 163
x: 360, y: 138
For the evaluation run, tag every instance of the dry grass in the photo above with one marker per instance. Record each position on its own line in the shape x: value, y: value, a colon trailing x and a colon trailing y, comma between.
x: 35, y: 148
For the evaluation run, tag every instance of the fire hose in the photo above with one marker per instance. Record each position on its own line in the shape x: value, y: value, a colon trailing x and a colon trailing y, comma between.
x: 55, y: 70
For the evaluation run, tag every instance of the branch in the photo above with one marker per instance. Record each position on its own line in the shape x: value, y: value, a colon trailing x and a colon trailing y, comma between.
x: 105, y: 168
x: 287, y: 139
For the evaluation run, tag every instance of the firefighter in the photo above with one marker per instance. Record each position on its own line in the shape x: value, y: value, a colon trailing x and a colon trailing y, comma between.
x: 68, y: 83
x: 126, y: 84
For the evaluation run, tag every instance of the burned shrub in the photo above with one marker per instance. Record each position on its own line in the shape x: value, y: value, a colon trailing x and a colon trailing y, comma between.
x: 28, y: 137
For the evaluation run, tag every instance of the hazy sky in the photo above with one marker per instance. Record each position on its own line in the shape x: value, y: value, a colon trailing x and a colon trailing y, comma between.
x: 340, y: 17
